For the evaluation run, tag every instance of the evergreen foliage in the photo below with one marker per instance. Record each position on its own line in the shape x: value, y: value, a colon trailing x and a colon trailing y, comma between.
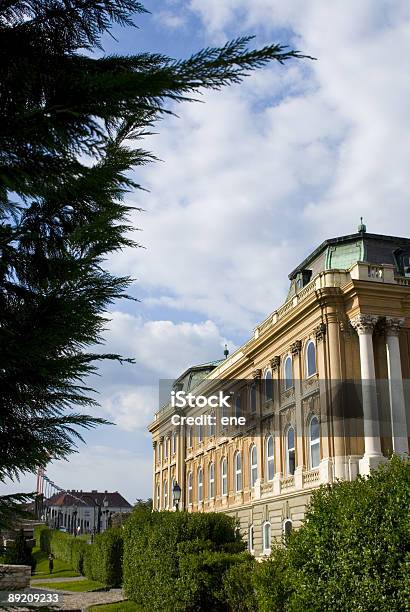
x: 71, y: 121
x: 20, y: 553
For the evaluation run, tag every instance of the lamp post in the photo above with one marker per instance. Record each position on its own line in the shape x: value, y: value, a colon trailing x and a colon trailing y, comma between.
x: 176, y: 494
x: 105, y: 504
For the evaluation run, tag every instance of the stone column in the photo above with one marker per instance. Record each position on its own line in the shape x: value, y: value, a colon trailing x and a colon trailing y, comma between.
x: 364, y: 325
x: 397, y: 403
x: 276, y: 382
x: 257, y: 379
x: 154, y: 496
x: 295, y: 350
x: 335, y: 385
x: 161, y: 481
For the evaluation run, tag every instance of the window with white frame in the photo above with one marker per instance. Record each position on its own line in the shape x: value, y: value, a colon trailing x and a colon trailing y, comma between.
x: 311, y: 367
x: 174, y: 442
x: 270, y: 459
x: 238, y: 472
x: 253, y: 398
x: 159, y: 452
x: 166, y: 448
x: 288, y: 372
x: 189, y: 487
x: 266, y: 538
x: 211, y: 425
x: 200, y: 485
x: 253, y: 465
x: 224, y: 476
x: 290, y: 451
x: 189, y: 436
x: 158, y: 495
x: 200, y: 433
x: 165, y: 496
x: 211, y: 480
x: 268, y: 386
x: 314, y: 442
x: 251, y: 545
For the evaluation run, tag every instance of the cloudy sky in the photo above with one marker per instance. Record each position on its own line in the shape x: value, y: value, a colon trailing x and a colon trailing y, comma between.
x: 251, y: 180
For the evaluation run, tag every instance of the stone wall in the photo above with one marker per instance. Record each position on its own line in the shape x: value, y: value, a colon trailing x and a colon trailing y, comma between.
x: 14, y: 577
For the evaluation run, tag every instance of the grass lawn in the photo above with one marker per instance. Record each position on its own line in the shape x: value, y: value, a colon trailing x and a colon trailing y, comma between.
x: 61, y: 569
x: 78, y: 586
x: 122, y: 606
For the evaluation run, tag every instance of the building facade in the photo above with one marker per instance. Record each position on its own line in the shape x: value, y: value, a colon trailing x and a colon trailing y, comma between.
x: 324, y: 379
x: 84, y: 512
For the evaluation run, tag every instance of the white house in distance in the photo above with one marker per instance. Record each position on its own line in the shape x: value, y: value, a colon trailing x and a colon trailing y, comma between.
x: 84, y: 511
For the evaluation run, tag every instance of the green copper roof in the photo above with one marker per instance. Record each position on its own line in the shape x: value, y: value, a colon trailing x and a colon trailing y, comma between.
x: 343, y: 256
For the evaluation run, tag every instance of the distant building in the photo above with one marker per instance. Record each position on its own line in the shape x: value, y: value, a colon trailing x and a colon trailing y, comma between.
x: 321, y: 382
x: 84, y: 511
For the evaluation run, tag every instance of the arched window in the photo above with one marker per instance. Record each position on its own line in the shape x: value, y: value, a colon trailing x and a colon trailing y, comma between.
x: 290, y: 451
x: 238, y: 406
x: 174, y: 442
x: 166, y: 448
x: 253, y: 398
x: 311, y: 367
x: 314, y: 442
x: 211, y: 480
x: 224, y: 476
x: 288, y: 372
x: 200, y: 485
x: 287, y: 527
x: 251, y: 546
x: 266, y: 538
x: 165, y: 494
x: 189, y: 437
x: 238, y: 472
x: 270, y: 459
x: 253, y: 465
x: 158, y: 497
x: 268, y: 386
x: 190, y: 488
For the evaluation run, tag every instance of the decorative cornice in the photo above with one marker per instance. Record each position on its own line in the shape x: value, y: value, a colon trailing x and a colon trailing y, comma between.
x: 394, y: 325
x: 320, y: 332
x: 364, y: 323
x: 296, y: 347
x: 275, y: 362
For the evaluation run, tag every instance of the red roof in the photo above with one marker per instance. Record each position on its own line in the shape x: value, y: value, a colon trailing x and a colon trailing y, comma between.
x: 88, y: 498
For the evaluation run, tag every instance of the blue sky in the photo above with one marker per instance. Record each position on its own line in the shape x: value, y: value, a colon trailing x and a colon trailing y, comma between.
x: 251, y: 181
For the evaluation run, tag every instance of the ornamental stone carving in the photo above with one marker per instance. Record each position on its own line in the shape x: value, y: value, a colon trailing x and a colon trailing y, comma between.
x: 257, y: 374
x: 393, y: 325
x: 296, y: 347
x: 320, y: 332
x: 275, y: 362
x: 364, y: 323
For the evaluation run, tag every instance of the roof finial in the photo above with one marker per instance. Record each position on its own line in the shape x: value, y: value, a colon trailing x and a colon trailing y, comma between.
x: 226, y: 352
x: 362, y: 228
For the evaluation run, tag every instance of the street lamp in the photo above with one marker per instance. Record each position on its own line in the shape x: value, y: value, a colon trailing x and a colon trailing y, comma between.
x: 176, y: 494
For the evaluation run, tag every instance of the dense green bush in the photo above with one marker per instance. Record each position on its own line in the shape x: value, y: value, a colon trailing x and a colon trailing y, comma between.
x: 103, y: 559
x: 271, y: 582
x: 175, y: 560
x: 78, y: 550
x: 238, y: 586
x: 353, y: 551
x: 19, y: 553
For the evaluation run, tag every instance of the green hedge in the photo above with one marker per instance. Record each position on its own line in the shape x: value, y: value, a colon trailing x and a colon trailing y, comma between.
x: 176, y: 561
x: 103, y: 560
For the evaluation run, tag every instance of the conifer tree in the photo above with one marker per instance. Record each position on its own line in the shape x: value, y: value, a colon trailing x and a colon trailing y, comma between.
x: 71, y: 121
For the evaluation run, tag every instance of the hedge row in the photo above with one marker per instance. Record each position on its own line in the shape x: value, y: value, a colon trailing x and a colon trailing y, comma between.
x: 101, y: 560
x: 175, y: 560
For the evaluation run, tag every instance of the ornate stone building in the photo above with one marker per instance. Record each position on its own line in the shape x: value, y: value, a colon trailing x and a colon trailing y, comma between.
x: 324, y: 380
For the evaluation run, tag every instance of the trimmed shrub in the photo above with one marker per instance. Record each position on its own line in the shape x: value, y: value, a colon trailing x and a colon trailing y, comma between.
x: 175, y: 560
x: 353, y: 551
x: 102, y: 561
x: 78, y: 550
x: 19, y: 553
x: 271, y: 582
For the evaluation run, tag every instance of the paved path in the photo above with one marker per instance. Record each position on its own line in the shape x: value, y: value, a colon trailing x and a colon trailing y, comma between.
x: 57, y: 579
x: 78, y: 602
